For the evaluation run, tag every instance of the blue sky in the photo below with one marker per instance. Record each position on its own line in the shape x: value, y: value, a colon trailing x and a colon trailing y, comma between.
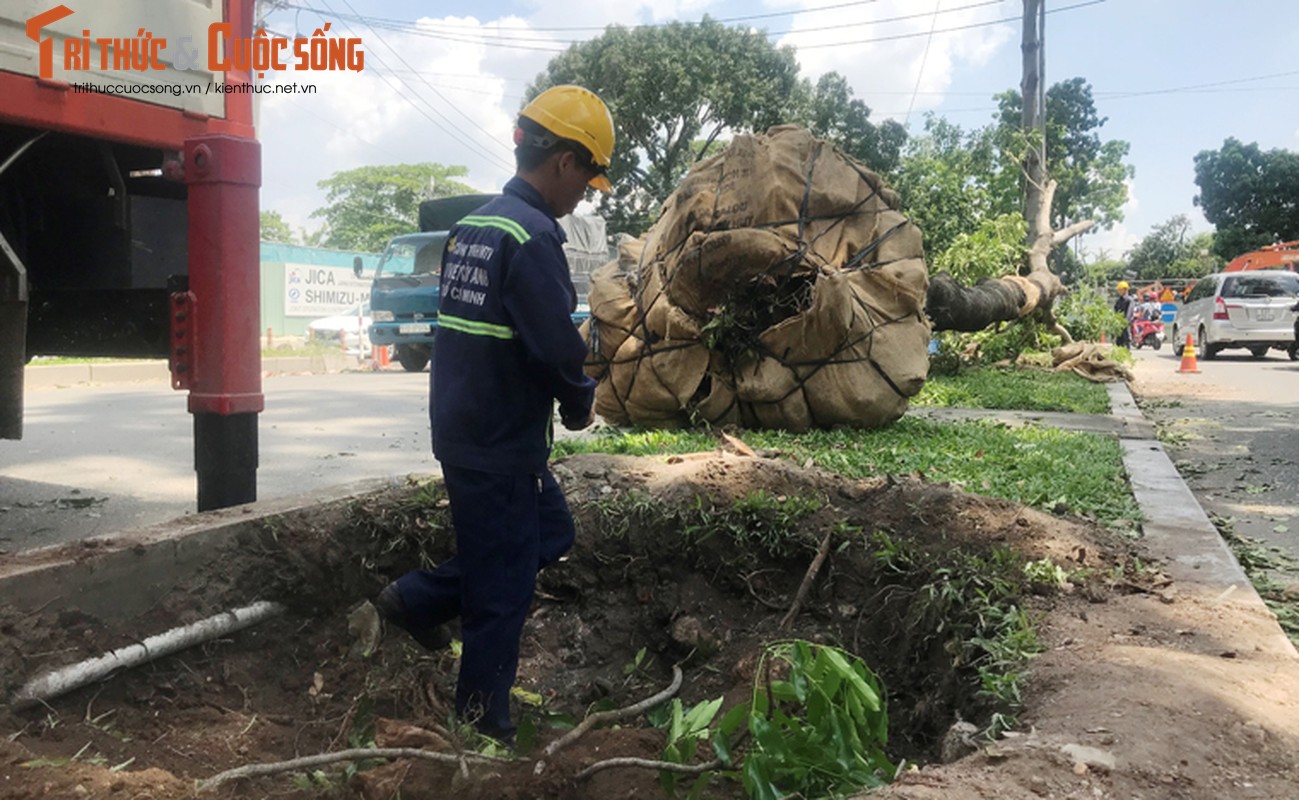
x: 1173, y: 77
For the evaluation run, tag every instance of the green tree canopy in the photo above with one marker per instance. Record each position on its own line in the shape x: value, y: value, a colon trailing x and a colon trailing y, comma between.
x: 367, y: 206
x: 954, y: 181
x: 1090, y: 172
x: 675, y: 89
x: 275, y: 229
x: 831, y: 112
x: 1103, y: 270
x: 1250, y: 195
x: 1170, y: 250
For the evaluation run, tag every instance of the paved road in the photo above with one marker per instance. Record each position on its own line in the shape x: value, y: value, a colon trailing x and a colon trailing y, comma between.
x: 100, y: 459
x: 1232, y: 431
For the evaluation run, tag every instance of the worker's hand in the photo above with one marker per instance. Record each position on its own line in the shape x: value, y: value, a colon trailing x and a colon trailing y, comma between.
x: 578, y: 423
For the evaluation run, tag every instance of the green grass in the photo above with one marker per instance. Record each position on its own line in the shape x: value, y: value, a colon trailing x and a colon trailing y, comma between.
x: 1018, y: 389
x: 1036, y: 466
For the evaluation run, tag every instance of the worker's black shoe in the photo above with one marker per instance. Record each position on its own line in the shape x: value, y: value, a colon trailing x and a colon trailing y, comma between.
x: 393, y: 610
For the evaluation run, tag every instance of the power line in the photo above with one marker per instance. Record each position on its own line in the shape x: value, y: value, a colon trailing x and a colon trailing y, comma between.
x: 490, y: 136
x: 479, y: 35
x: 1194, y: 87
x: 971, y: 26
x: 509, y: 44
x: 920, y: 74
x: 744, y: 18
x: 452, y: 131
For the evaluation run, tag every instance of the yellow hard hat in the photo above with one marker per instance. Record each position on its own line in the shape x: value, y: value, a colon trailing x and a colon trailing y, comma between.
x: 1122, y: 285
x: 579, y: 115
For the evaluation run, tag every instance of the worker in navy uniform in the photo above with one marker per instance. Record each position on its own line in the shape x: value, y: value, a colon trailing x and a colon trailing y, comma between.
x: 505, y: 352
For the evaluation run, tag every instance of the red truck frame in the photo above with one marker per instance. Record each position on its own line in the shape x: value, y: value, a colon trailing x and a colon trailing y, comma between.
x: 132, y: 229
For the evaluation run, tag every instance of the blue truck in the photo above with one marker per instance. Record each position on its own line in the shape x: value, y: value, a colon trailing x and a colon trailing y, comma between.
x: 404, y: 296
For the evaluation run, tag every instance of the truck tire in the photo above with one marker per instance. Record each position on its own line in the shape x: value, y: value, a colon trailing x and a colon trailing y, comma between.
x: 413, y: 357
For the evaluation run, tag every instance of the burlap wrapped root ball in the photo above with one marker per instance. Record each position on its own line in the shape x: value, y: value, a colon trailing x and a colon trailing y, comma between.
x: 781, y: 288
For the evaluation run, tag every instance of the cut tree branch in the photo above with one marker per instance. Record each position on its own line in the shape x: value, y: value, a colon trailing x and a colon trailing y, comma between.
x: 320, y: 759
x: 1065, y: 234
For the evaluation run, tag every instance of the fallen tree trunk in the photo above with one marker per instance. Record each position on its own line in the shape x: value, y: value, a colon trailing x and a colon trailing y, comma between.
x: 952, y: 306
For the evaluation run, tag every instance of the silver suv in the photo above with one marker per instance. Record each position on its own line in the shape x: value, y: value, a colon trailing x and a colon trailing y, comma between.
x: 1253, y: 310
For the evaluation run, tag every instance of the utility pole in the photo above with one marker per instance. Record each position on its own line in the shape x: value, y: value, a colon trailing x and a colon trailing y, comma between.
x: 1033, y: 50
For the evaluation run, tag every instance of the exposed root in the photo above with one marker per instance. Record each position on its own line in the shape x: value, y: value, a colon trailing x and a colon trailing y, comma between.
x: 665, y: 766
x: 806, y: 585
x: 615, y: 715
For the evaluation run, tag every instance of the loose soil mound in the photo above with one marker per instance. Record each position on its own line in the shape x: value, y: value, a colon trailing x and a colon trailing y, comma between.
x: 659, y: 566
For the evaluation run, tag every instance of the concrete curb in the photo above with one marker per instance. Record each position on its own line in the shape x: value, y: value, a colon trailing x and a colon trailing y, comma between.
x: 123, y: 575
x: 59, y: 375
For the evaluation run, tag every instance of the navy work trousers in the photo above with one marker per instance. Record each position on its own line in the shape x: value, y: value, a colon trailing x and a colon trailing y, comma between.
x: 507, y: 528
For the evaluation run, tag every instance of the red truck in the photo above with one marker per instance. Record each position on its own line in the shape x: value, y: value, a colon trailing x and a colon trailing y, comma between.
x: 1276, y: 256
x: 129, y: 178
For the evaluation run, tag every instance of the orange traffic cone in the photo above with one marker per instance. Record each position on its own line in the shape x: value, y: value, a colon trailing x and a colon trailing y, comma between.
x: 1102, y: 337
x: 1188, y: 357
x: 383, y: 356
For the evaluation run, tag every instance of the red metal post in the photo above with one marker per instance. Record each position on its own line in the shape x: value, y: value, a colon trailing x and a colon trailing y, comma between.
x: 223, y: 174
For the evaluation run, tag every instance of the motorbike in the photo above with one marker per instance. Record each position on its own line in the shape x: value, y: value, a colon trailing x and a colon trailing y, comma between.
x: 1147, y: 333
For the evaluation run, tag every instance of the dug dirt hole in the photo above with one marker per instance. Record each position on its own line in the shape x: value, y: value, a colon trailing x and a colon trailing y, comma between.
x: 690, y: 560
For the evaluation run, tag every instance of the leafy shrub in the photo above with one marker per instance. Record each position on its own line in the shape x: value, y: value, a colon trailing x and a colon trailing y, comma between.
x: 1087, y: 312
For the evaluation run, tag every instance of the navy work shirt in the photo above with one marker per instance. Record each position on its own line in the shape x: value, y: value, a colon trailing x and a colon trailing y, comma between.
x: 506, y: 347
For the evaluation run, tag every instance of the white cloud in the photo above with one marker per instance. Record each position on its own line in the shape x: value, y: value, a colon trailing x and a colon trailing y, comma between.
x: 419, y: 98
x: 884, y: 73
x: 1111, y: 244
x: 454, y: 98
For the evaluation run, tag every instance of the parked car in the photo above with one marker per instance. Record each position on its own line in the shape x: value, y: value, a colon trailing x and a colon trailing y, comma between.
x: 1253, y: 310
x: 1294, y: 343
x: 345, y: 331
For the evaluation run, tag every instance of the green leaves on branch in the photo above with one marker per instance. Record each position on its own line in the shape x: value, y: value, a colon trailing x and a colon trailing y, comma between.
x: 819, y: 731
x: 275, y: 229
x: 815, y: 726
x: 955, y: 181
x: 1089, y: 173
x: 993, y: 249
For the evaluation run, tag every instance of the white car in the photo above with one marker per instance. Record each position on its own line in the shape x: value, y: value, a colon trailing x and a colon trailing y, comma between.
x: 346, y: 331
x: 1253, y: 310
